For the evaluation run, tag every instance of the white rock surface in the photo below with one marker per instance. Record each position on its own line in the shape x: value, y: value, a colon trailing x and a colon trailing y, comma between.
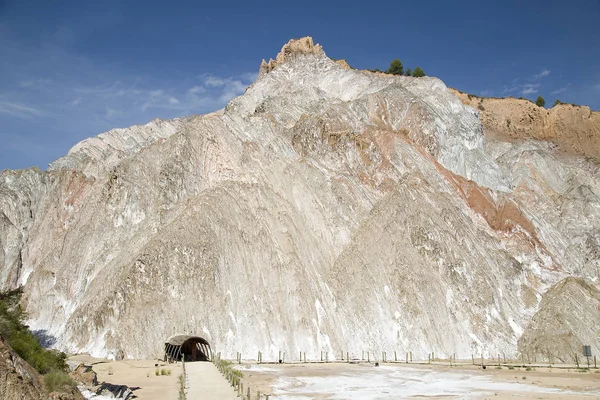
x: 326, y: 209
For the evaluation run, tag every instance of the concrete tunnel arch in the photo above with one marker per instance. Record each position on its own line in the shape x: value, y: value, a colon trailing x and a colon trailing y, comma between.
x: 191, y: 348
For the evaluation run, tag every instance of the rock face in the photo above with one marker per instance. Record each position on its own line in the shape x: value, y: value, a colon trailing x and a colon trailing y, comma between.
x: 326, y: 209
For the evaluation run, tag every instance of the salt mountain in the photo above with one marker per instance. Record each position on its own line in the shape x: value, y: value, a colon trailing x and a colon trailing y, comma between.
x: 326, y: 209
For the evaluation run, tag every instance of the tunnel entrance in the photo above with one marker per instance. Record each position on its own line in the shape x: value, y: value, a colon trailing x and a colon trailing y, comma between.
x: 191, y: 348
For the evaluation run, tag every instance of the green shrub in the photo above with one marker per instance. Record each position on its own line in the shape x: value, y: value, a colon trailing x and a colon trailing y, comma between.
x: 408, y: 72
x: 540, y: 102
x: 396, y: 68
x: 58, y: 381
x: 557, y: 102
x: 418, y: 72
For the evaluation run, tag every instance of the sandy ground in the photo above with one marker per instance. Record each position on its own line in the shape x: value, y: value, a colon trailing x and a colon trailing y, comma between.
x: 140, y: 374
x: 397, y: 381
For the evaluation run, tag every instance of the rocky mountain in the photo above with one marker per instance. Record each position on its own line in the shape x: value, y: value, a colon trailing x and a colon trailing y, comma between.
x: 325, y: 209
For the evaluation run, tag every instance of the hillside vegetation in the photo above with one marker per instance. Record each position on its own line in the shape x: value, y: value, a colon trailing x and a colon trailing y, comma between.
x: 19, y: 337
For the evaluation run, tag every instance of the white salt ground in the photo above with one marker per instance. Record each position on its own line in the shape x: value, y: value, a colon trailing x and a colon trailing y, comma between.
x: 91, y: 395
x: 396, y: 383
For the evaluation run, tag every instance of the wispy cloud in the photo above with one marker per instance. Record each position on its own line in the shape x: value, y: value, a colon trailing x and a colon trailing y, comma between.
x: 522, y: 89
x: 196, y: 90
x: 530, y: 88
x: 560, y: 90
x: 545, y: 72
x: 20, y: 110
x: 36, y: 83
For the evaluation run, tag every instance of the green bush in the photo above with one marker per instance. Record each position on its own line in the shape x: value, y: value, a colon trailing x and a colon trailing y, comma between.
x: 418, y: 72
x: 408, y: 73
x: 540, y: 102
x: 557, y: 102
x: 56, y: 381
x: 396, y: 68
x: 19, y: 337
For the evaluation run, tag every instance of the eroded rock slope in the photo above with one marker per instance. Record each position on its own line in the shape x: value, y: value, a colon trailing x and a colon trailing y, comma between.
x: 326, y: 209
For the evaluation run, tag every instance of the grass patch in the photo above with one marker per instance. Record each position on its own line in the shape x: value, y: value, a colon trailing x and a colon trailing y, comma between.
x: 498, y: 367
x: 58, y: 381
x: 510, y: 367
x: 583, y: 370
x: 181, y: 387
x: 529, y: 369
x: 165, y: 372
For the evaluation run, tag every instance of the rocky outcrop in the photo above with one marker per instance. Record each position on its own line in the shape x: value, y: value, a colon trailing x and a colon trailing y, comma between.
x: 325, y: 209
x: 575, y: 129
x: 293, y: 48
x: 568, y: 318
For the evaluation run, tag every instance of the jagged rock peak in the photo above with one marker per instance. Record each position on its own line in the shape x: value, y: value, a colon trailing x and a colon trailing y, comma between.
x: 303, y: 45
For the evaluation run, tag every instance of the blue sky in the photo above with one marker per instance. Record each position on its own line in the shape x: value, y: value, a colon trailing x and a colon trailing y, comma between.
x: 73, y: 69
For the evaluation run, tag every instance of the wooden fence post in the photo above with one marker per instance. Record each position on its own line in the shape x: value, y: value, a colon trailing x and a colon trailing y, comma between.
x: 576, y: 360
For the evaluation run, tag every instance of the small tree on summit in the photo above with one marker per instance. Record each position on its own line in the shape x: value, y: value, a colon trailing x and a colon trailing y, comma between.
x: 396, y: 68
x: 408, y: 73
x: 418, y: 72
x: 540, y: 102
x: 557, y: 102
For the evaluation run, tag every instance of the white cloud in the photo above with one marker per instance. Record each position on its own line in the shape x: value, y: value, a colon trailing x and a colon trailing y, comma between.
x: 561, y: 90
x: 214, y: 81
x: 196, y: 89
x: 76, y: 102
x: 20, y: 110
x: 36, y: 83
x: 530, y: 88
x: 173, y: 100
x: 542, y: 74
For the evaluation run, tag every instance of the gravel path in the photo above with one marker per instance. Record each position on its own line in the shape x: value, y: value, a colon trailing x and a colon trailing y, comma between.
x: 205, y: 382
